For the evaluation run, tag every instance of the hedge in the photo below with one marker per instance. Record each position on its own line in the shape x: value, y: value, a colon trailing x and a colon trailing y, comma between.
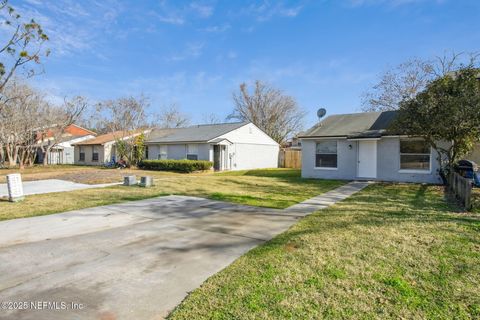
x: 176, y: 165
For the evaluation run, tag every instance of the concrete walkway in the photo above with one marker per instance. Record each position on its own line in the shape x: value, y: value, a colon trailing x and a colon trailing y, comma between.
x: 327, y: 199
x: 134, y: 260
x: 52, y: 185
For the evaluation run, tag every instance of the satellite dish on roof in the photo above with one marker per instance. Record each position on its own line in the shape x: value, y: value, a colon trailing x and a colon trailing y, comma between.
x: 321, y: 113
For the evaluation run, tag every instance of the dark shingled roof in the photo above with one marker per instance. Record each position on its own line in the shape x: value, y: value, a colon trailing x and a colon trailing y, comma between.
x: 197, y: 133
x: 353, y: 125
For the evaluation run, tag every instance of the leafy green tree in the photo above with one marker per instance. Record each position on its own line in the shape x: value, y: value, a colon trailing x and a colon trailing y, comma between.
x: 122, y: 149
x: 138, y: 149
x: 131, y: 150
x: 446, y: 114
x: 23, y: 45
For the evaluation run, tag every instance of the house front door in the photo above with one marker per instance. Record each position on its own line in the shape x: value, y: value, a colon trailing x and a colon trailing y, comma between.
x: 217, y: 163
x: 367, y: 159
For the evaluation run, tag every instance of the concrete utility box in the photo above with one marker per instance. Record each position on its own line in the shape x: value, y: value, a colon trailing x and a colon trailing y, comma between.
x: 146, y: 181
x: 15, y: 187
x: 129, y: 180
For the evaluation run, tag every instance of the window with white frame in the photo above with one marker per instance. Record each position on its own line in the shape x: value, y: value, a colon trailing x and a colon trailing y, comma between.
x: 192, y: 151
x: 414, y: 155
x: 326, y: 154
x: 162, y: 152
x: 81, y: 150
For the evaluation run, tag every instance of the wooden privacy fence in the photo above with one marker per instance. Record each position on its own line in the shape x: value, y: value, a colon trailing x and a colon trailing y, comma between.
x: 462, y: 188
x: 290, y: 158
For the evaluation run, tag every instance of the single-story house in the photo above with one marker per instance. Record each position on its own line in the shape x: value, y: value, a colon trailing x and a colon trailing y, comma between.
x: 359, y: 146
x: 63, y: 151
x: 230, y: 146
x: 101, y: 150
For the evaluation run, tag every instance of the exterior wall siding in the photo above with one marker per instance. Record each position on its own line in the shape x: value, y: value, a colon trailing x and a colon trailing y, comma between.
x: 251, y: 149
x: 179, y: 151
x: 68, y: 154
x: 346, y: 161
x: 250, y: 134
x: 251, y: 156
x: 241, y: 156
x: 88, y: 149
x: 388, y: 162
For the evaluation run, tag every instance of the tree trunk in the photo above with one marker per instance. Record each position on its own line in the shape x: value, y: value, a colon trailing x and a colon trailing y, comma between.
x: 22, y: 159
x: 31, y: 159
x: 2, y: 155
x: 45, y: 156
x: 12, y: 155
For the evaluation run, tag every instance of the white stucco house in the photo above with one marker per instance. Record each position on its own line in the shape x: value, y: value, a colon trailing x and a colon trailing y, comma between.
x: 230, y: 146
x: 360, y: 146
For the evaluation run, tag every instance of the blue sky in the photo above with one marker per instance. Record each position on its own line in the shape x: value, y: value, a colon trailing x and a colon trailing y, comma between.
x: 195, y: 53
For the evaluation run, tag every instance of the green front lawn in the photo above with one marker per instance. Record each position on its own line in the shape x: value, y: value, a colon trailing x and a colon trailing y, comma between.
x: 388, y: 252
x: 276, y: 188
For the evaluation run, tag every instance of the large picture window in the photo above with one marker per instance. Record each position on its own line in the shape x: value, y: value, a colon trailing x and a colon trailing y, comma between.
x: 326, y: 154
x: 414, y: 155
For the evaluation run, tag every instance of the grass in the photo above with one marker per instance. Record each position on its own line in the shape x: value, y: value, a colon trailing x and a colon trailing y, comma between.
x: 76, y: 173
x: 268, y: 188
x: 388, y: 252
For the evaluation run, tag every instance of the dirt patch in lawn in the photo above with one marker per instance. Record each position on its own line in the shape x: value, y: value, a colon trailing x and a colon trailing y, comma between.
x: 79, y: 174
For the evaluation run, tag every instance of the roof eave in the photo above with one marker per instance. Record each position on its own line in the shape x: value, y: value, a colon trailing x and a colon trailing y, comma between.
x: 176, y: 142
x: 322, y: 137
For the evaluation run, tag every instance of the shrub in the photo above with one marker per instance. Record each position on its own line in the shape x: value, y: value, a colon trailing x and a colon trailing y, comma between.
x: 176, y: 165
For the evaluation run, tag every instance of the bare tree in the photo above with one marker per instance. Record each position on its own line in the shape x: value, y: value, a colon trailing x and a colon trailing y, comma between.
x: 406, y: 80
x: 211, y: 118
x: 24, y: 45
x: 125, y: 118
x: 123, y: 114
x: 269, y: 109
x: 58, y: 118
x: 21, y: 116
x: 172, y: 117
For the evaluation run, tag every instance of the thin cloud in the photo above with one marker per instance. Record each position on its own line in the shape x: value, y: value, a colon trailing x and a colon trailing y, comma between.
x: 216, y: 29
x: 267, y: 10
x: 203, y: 11
x: 171, y: 19
x: 179, y: 15
x: 192, y: 50
x: 391, y: 3
x: 70, y: 25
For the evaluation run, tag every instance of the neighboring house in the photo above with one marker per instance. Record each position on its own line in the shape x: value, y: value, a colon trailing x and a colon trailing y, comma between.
x: 474, y: 155
x: 358, y: 146
x: 63, y: 151
x: 230, y: 146
x: 101, y: 149
x: 294, y: 143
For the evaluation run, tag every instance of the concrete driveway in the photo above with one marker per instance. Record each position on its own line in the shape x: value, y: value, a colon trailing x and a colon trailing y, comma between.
x: 51, y: 185
x: 135, y: 260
